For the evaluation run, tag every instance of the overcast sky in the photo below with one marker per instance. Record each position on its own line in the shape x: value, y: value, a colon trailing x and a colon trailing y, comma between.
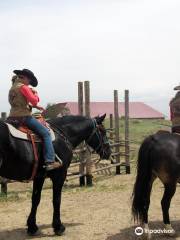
x: 116, y: 44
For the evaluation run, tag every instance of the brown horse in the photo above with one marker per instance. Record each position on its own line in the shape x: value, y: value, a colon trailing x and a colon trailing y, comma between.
x: 159, y: 156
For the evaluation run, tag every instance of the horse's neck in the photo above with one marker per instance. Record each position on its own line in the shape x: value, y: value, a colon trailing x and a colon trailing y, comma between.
x: 76, y: 133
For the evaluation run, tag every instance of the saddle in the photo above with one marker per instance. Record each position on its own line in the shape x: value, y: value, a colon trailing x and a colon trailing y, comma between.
x: 170, y: 132
x: 162, y: 131
x: 22, y: 132
x: 19, y: 131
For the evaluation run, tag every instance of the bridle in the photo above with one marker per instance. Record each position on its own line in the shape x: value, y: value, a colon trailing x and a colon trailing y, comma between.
x: 102, y: 140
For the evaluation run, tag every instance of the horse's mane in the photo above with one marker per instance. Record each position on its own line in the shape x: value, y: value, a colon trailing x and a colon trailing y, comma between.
x: 61, y: 121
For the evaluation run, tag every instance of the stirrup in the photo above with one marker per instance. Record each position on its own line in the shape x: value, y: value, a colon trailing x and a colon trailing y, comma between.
x: 52, y: 166
x: 58, y: 158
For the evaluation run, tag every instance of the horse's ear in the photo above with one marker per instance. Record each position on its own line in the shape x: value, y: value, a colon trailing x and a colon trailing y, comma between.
x: 100, y: 119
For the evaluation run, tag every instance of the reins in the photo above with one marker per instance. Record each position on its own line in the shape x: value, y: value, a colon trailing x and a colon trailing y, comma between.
x: 61, y: 133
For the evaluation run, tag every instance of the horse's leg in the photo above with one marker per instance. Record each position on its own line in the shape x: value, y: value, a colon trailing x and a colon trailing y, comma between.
x: 57, y: 189
x: 146, y: 208
x: 36, y: 196
x: 169, y: 191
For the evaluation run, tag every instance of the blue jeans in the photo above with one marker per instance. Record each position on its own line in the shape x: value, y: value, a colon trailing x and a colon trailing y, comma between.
x: 42, y: 131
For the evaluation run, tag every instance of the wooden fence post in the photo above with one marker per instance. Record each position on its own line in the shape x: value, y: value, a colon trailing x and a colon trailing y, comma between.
x: 111, y: 126
x: 117, y: 135
x: 81, y: 154
x: 127, y: 150
x: 4, y: 183
x: 88, y: 155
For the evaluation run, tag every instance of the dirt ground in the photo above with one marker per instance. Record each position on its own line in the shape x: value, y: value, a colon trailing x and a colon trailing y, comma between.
x: 102, y: 212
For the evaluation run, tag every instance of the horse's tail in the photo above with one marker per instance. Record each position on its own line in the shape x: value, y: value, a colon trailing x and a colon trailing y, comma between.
x: 143, y: 178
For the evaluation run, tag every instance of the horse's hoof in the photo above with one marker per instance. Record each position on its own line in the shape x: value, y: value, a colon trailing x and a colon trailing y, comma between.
x: 60, y: 231
x: 33, y: 231
x: 170, y: 231
x: 147, y: 234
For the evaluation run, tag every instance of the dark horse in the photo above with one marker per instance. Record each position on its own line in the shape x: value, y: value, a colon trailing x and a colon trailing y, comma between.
x: 159, y: 156
x: 16, y: 159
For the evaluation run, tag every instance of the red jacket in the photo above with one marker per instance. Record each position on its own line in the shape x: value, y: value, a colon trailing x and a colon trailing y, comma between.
x: 30, y: 95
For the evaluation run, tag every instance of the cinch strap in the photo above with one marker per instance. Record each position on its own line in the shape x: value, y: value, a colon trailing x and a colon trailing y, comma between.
x: 34, y: 171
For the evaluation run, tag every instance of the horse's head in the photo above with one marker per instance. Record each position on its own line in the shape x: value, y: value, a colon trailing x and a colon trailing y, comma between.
x: 98, y: 139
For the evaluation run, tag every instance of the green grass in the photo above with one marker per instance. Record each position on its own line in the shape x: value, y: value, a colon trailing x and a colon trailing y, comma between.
x: 12, y: 196
x: 139, y: 130
x: 100, y: 187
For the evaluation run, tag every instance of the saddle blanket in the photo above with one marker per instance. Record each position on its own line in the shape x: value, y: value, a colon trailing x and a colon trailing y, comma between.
x: 22, y: 135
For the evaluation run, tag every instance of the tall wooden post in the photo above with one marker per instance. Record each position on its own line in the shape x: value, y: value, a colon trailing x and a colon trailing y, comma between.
x: 80, y: 98
x: 87, y: 98
x: 81, y: 154
x: 111, y: 126
x: 117, y: 135
x: 4, y: 182
x: 127, y: 131
x: 88, y: 155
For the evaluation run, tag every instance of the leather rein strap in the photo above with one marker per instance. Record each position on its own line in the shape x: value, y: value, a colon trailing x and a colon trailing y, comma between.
x: 36, y: 160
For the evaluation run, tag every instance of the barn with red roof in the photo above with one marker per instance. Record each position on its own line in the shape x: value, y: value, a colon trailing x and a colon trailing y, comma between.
x: 137, y: 110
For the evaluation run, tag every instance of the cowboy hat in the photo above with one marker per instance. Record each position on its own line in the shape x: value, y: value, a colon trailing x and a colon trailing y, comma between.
x: 29, y: 74
x: 177, y: 87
